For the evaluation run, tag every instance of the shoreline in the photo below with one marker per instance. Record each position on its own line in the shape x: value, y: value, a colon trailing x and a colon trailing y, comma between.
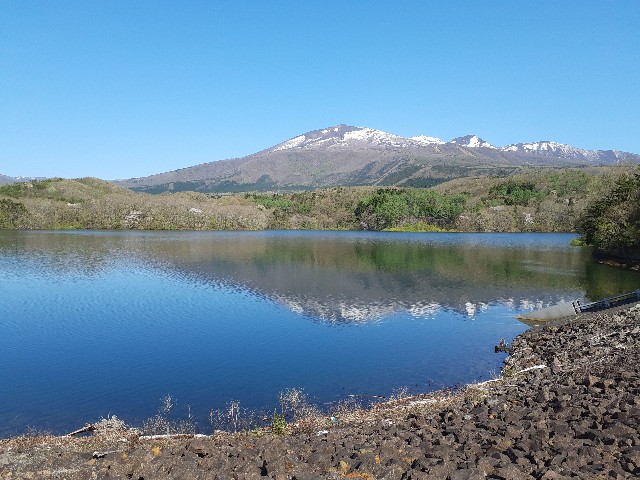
x: 567, y: 403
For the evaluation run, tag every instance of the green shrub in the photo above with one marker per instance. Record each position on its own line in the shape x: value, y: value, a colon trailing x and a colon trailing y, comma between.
x: 514, y: 192
x: 570, y: 182
x: 10, y: 213
x: 388, y: 208
x: 279, y: 424
x: 286, y: 203
x: 13, y: 190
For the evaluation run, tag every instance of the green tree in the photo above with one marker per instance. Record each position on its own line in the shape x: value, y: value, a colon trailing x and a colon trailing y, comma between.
x: 612, y: 223
x: 388, y: 208
x: 10, y: 213
x: 514, y: 192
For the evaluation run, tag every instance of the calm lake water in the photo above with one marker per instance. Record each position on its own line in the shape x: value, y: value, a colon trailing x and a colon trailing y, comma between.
x: 100, y: 323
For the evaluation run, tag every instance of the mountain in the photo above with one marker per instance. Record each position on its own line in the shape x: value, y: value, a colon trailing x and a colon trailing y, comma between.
x: 4, y: 179
x: 554, y: 150
x: 343, y: 155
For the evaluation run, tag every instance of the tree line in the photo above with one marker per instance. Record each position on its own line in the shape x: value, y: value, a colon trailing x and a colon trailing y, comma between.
x: 603, y: 204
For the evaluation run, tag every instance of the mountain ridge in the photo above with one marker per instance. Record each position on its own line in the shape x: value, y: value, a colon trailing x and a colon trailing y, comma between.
x: 370, y: 135
x: 345, y: 155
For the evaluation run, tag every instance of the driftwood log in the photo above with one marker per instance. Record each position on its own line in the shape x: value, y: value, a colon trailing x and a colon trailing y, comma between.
x: 89, y: 427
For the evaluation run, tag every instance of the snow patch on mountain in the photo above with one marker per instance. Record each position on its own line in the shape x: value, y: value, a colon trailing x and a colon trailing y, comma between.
x: 552, y: 148
x: 471, y: 141
x: 294, y: 142
x: 428, y: 140
x: 542, y: 146
x: 344, y: 136
x: 375, y: 137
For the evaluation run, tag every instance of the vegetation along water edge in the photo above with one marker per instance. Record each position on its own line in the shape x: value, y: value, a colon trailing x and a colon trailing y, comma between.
x: 601, y: 203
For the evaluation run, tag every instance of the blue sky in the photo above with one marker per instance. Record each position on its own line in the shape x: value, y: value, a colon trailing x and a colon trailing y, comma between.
x: 120, y: 89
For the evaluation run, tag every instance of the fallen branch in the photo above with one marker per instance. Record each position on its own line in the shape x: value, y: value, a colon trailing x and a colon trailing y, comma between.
x: 535, y: 367
x: 89, y: 427
x: 175, y: 435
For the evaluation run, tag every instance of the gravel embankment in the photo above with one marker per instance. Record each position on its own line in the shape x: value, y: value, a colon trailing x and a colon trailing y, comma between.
x: 567, y: 405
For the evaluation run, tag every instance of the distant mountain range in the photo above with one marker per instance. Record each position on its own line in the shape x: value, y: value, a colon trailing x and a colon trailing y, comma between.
x: 343, y: 155
x: 4, y: 179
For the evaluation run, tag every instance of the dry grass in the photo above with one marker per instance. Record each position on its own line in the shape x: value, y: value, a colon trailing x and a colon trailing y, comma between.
x: 89, y: 203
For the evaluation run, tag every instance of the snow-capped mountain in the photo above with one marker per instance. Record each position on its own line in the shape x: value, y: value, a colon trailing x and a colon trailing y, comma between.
x: 560, y: 150
x: 544, y: 146
x: 344, y: 136
x: 347, y: 155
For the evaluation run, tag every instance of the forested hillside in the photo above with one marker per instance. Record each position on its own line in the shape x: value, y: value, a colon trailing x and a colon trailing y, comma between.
x: 543, y: 199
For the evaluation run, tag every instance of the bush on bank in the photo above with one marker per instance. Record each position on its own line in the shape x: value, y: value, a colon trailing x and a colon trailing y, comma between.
x: 611, y: 223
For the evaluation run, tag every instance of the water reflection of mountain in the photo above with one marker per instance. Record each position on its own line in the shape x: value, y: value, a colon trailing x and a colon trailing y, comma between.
x: 354, y: 278
x: 351, y: 277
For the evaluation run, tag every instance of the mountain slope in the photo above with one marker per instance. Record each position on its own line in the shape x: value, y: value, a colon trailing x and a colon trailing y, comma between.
x: 347, y: 155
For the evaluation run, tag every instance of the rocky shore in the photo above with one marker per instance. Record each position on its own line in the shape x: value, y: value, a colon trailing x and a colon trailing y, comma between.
x: 567, y: 405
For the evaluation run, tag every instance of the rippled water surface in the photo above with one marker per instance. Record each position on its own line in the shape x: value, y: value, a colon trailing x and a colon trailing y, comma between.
x: 100, y: 323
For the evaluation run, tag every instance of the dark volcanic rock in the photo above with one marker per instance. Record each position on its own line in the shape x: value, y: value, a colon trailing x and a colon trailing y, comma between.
x: 568, y: 407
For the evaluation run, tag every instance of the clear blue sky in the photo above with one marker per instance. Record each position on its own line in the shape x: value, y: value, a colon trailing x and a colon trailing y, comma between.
x: 119, y: 89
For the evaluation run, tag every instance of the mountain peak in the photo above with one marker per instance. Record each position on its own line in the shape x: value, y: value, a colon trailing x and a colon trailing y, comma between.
x: 344, y: 136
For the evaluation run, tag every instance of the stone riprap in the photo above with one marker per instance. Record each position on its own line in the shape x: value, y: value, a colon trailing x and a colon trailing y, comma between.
x: 567, y: 405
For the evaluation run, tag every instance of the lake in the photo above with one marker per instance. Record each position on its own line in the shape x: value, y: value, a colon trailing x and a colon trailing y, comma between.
x: 97, y: 323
